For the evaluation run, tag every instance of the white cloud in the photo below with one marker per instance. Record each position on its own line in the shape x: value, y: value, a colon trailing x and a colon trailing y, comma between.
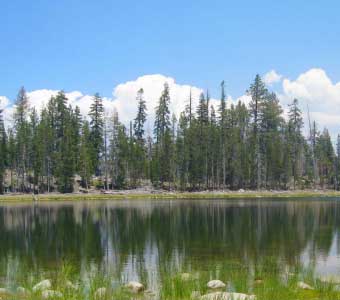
x: 316, y: 89
x: 124, y: 96
x: 313, y: 87
x: 7, y: 108
x: 272, y: 77
x: 4, y: 102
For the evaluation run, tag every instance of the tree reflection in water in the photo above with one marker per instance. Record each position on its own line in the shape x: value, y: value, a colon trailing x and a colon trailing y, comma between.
x: 142, y: 240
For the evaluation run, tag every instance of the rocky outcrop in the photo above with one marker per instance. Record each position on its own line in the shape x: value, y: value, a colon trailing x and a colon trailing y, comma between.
x: 216, y: 284
x: 42, y: 286
x: 227, y: 296
x: 304, y: 286
x: 135, y: 286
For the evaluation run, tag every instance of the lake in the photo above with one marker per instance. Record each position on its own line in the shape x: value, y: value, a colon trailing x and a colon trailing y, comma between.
x: 148, y: 240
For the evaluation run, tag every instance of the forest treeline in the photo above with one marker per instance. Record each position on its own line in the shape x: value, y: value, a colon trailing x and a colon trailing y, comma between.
x: 232, y: 147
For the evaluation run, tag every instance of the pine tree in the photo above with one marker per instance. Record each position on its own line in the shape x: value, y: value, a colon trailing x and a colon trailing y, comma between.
x: 22, y: 135
x: 97, y: 130
x: 64, y: 160
x: 271, y: 128
x: 140, y: 119
x: 3, y: 152
x: 118, y: 151
x: 11, y: 158
x: 337, y: 163
x: 258, y: 92
x: 86, y: 168
x: 294, y: 141
x: 182, y: 150
x: 139, y: 149
x: 325, y: 156
x: 35, y: 152
x: 222, y: 126
x: 162, y: 132
x: 202, y: 121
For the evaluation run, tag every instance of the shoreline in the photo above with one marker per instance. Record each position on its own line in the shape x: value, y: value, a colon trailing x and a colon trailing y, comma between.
x: 135, y: 194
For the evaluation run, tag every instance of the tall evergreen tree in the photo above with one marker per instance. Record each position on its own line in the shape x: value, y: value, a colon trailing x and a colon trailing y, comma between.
x: 258, y: 92
x: 86, y: 168
x: 3, y: 152
x: 64, y: 159
x: 22, y: 136
x: 161, y: 163
x: 140, y: 119
x: 295, y: 138
x: 222, y: 127
x: 97, y: 129
x: 139, y: 148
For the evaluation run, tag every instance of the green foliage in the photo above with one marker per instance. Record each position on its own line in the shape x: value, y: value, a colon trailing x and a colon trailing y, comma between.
x: 235, y: 147
x: 96, y: 115
x: 3, y: 152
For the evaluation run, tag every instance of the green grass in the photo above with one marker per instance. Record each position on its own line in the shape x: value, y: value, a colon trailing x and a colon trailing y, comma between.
x: 267, y: 282
x: 173, y: 195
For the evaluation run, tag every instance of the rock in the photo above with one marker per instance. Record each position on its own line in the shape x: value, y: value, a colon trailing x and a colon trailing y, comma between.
x: 227, y: 296
x: 241, y: 190
x: 304, y: 286
x: 48, y: 294
x: 100, y: 293
x: 185, y: 276
x: 42, y: 285
x: 216, y: 284
x: 135, y: 286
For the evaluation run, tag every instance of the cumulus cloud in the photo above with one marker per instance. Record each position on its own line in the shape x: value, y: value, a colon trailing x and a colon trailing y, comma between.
x: 272, y: 77
x: 6, y: 108
x: 315, y: 89
x: 124, y: 96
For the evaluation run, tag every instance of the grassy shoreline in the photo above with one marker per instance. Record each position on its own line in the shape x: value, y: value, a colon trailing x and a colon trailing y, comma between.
x: 122, y: 195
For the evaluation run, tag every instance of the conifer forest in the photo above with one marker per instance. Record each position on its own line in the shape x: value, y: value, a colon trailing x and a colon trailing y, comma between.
x: 204, y: 148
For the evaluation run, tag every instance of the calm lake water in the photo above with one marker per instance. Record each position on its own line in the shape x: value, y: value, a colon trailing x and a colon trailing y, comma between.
x: 143, y: 239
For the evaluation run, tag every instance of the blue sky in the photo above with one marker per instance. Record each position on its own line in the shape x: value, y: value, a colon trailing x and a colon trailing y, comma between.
x: 94, y: 45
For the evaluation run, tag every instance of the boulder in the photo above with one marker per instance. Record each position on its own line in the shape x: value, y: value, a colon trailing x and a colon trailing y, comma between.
x: 135, y: 287
x: 216, y: 284
x: 42, y: 286
x: 227, y: 296
x: 48, y: 294
x: 304, y: 286
x: 100, y: 293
